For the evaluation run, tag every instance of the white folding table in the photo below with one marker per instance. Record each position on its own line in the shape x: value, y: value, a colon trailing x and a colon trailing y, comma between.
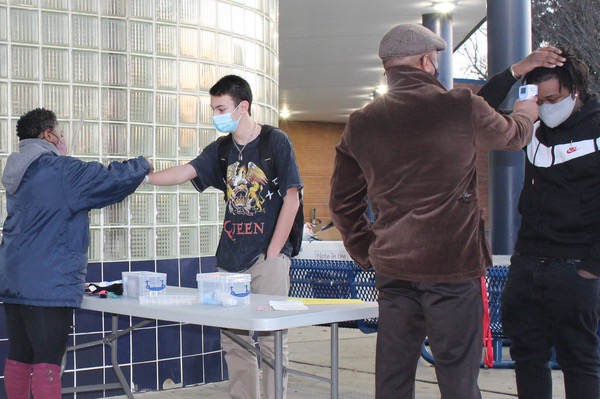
x: 251, y: 317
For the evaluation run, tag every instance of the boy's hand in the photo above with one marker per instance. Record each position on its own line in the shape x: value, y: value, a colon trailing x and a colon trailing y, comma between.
x: 547, y: 57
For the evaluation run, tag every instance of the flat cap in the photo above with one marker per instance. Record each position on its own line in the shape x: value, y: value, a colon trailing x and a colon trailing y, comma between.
x: 409, y: 39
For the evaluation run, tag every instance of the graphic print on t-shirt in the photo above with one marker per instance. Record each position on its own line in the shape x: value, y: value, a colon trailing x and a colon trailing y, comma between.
x: 245, y: 185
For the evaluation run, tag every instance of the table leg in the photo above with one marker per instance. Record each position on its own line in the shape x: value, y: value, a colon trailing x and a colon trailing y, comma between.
x: 113, y: 358
x: 111, y: 342
x: 334, y: 361
x: 278, y: 364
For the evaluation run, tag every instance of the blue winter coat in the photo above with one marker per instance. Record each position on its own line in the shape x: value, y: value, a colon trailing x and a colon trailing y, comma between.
x: 44, y: 250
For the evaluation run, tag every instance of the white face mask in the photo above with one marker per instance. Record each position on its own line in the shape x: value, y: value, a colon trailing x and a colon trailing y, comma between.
x: 554, y: 114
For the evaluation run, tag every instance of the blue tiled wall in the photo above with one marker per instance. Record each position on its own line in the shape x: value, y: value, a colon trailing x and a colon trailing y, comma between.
x: 152, y: 355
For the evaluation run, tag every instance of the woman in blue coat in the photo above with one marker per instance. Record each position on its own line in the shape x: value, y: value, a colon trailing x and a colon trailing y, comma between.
x: 43, y: 254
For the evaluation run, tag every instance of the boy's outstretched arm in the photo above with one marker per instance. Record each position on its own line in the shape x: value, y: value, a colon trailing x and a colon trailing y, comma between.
x: 172, y: 176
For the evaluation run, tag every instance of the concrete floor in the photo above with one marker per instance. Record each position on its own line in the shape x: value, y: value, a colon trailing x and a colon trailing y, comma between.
x: 309, y: 352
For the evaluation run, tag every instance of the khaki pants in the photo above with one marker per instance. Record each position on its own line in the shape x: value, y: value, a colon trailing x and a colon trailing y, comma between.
x: 270, y: 277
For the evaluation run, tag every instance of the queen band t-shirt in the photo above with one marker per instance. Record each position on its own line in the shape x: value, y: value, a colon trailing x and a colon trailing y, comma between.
x: 252, y: 207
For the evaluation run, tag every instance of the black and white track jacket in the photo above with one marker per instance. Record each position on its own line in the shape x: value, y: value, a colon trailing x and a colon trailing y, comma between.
x: 560, y: 201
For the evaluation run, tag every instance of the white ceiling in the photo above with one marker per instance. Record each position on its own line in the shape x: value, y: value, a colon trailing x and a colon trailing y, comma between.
x: 328, y: 50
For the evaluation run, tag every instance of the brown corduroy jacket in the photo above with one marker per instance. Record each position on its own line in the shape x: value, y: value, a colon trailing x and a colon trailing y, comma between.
x: 414, y: 151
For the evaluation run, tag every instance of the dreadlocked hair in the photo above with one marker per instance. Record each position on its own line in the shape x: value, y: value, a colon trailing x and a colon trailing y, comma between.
x: 573, y: 75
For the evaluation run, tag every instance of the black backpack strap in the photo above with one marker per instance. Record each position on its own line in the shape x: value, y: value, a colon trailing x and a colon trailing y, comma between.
x: 268, y: 165
x: 266, y: 156
x: 224, y: 144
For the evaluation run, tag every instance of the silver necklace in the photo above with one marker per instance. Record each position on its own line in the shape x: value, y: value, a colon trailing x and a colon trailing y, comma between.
x: 249, y: 140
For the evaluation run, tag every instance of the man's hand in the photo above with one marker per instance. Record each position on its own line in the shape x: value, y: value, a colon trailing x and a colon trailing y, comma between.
x: 529, y: 106
x: 547, y: 57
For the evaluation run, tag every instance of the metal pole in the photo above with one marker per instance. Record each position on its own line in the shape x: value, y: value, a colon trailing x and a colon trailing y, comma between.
x: 334, y: 361
x: 509, y: 41
x: 441, y: 25
x: 113, y: 358
x: 278, y: 364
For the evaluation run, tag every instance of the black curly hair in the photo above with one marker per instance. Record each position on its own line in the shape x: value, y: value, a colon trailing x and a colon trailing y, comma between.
x: 35, y: 122
x: 572, y: 75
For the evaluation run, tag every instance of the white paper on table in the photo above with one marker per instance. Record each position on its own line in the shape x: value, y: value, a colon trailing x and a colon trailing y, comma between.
x: 287, y: 305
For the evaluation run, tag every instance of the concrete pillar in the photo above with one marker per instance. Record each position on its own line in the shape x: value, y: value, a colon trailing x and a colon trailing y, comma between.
x: 509, y: 41
x: 441, y: 25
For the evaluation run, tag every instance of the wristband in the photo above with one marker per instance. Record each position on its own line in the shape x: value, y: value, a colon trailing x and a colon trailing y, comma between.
x: 512, y: 72
x: 146, y: 179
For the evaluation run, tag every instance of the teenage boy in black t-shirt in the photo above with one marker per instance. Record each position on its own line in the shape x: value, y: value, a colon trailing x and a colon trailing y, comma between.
x: 257, y: 220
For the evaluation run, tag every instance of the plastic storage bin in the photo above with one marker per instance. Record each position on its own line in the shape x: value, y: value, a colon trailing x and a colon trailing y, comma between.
x: 178, y: 300
x: 225, y: 289
x: 137, y: 284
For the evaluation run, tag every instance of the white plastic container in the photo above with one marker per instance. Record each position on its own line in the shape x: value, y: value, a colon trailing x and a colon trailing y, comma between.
x: 137, y: 284
x: 178, y: 300
x: 225, y: 289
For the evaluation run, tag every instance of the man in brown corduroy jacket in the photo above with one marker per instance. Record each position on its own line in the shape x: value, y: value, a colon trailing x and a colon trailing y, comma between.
x: 413, y: 151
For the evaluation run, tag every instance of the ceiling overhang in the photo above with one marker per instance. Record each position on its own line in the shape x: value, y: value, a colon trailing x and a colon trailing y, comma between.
x: 328, y: 50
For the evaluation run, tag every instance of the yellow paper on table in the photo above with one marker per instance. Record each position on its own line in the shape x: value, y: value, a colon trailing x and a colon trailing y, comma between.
x: 325, y: 301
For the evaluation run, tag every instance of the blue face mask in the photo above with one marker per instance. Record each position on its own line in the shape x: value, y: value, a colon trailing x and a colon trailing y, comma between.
x: 437, y: 72
x: 225, y: 123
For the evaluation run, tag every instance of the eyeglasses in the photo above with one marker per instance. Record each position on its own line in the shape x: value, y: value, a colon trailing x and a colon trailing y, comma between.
x: 59, y: 135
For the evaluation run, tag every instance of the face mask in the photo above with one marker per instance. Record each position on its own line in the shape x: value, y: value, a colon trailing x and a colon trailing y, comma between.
x: 225, y: 123
x: 437, y: 72
x: 554, y: 114
x: 61, y: 146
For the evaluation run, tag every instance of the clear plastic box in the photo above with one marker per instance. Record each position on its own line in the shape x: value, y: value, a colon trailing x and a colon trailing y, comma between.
x: 138, y: 284
x: 179, y: 300
x: 225, y: 289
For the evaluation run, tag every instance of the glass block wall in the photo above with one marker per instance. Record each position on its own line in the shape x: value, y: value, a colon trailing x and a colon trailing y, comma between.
x: 129, y: 78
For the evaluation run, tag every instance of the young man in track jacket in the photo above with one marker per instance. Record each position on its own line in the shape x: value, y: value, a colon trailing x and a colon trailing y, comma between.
x: 551, y: 297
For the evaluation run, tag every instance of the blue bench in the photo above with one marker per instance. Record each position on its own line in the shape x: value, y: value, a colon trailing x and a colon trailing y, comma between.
x: 334, y: 279
x: 345, y: 279
x: 495, y: 282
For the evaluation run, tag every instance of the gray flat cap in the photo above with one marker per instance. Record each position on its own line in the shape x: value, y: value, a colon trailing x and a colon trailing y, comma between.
x: 409, y: 39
